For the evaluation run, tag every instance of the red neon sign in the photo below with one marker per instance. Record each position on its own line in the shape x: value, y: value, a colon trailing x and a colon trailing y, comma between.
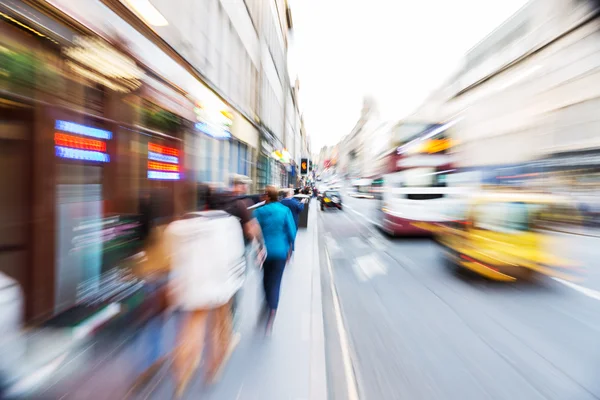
x: 76, y: 142
x: 158, y: 166
x: 169, y: 151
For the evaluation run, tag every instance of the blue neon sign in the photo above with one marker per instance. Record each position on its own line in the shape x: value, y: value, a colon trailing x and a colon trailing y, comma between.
x: 78, y: 154
x: 213, y: 131
x: 162, y: 158
x: 172, y: 176
x: 72, y: 127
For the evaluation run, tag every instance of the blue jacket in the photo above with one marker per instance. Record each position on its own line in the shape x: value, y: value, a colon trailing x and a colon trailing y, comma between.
x: 278, y: 229
x: 295, y: 207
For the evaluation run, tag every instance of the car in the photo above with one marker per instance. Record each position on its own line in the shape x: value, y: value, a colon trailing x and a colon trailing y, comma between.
x: 506, y: 237
x: 331, y: 199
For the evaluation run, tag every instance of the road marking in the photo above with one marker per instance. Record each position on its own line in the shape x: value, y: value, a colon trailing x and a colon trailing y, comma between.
x: 594, y: 294
x: 332, y: 245
x: 362, y: 215
x: 351, y: 385
x: 377, y: 243
x: 369, y: 266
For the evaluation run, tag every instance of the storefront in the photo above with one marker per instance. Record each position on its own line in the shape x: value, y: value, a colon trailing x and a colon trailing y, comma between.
x: 80, y: 148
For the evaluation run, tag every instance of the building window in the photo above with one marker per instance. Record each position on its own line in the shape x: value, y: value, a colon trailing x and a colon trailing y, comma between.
x: 222, y: 160
x: 242, y: 159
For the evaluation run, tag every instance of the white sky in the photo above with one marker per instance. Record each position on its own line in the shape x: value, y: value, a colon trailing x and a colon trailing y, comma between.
x: 396, y: 50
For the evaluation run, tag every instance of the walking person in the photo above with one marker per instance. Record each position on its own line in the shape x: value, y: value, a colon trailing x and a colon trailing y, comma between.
x: 296, y: 206
x: 208, y: 266
x: 238, y: 205
x: 153, y: 267
x: 279, y: 232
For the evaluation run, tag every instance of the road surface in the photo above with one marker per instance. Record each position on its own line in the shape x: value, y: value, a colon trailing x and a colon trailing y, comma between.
x: 417, y: 329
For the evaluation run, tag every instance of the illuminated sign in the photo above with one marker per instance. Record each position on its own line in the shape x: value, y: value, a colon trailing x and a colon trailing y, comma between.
x: 162, y: 158
x: 84, y: 130
x: 158, y: 166
x: 173, y: 176
x: 213, y: 120
x: 437, y: 145
x: 163, y: 163
x: 213, y: 130
x: 75, y: 142
x: 156, y: 148
x: 78, y: 154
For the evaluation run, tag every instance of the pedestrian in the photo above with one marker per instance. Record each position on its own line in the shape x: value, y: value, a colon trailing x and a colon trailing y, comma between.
x: 153, y: 267
x: 279, y: 232
x: 296, y: 206
x: 208, y: 265
x: 238, y: 205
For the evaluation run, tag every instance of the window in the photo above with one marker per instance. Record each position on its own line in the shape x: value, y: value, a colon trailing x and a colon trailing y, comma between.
x: 503, y: 217
x: 242, y: 160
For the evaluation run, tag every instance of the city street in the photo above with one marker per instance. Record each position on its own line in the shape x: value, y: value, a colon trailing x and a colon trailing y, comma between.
x: 418, y: 330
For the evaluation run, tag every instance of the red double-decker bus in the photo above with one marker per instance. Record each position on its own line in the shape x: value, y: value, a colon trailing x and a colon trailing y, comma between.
x: 414, y: 187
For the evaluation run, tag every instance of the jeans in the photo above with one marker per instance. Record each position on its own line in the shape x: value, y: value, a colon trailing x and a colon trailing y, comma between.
x: 272, y: 274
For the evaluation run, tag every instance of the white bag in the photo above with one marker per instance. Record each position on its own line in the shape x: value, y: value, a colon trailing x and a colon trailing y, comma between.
x: 207, y: 259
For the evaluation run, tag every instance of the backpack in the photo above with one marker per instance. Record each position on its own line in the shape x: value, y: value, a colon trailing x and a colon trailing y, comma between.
x: 207, y: 259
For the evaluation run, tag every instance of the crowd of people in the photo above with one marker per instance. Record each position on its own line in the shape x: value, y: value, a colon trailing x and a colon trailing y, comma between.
x: 198, y: 262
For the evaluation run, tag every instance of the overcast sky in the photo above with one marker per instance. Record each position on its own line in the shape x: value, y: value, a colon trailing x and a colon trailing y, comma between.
x: 395, y: 50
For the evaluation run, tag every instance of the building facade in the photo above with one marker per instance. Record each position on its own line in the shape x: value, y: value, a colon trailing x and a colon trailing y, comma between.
x: 528, y: 91
x: 103, y: 104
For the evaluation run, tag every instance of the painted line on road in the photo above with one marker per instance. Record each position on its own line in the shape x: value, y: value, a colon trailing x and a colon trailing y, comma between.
x: 594, y: 294
x: 351, y: 385
x: 362, y: 215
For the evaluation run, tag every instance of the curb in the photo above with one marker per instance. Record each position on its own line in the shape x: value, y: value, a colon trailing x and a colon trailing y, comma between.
x: 318, y: 385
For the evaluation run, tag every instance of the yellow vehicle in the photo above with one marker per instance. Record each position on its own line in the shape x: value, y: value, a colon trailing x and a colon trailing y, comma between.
x: 505, y: 236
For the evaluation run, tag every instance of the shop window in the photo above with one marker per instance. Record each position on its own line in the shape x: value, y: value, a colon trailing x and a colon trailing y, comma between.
x: 242, y: 161
x: 222, y: 160
x: 233, y: 156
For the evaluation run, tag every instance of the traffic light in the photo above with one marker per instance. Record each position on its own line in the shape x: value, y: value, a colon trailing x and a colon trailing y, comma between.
x: 310, y: 165
x: 303, y: 166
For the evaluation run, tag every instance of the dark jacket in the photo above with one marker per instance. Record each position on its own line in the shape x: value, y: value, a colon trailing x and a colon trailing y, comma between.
x: 295, y: 207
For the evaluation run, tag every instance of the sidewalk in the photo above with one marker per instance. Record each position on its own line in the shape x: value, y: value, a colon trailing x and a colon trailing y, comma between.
x: 288, y: 365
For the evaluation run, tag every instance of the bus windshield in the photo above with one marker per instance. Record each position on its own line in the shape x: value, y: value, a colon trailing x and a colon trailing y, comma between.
x: 421, y: 177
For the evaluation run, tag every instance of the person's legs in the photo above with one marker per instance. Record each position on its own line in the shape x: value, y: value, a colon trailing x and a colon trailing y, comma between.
x: 190, y: 343
x: 221, y: 339
x: 273, y: 272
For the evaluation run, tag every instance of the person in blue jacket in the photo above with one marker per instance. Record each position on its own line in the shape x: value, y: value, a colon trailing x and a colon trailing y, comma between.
x: 279, y: 233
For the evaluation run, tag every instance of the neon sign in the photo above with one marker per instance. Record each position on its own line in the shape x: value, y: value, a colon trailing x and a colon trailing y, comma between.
x: 75, y: 142
x: 157, y: 166
x: 163, y: 162
x: 162, y: 158
x: 157, y: 148
x: 173, y: 176
x: 72, y: 127
x: 78, y: 154
x: 213, y: 130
